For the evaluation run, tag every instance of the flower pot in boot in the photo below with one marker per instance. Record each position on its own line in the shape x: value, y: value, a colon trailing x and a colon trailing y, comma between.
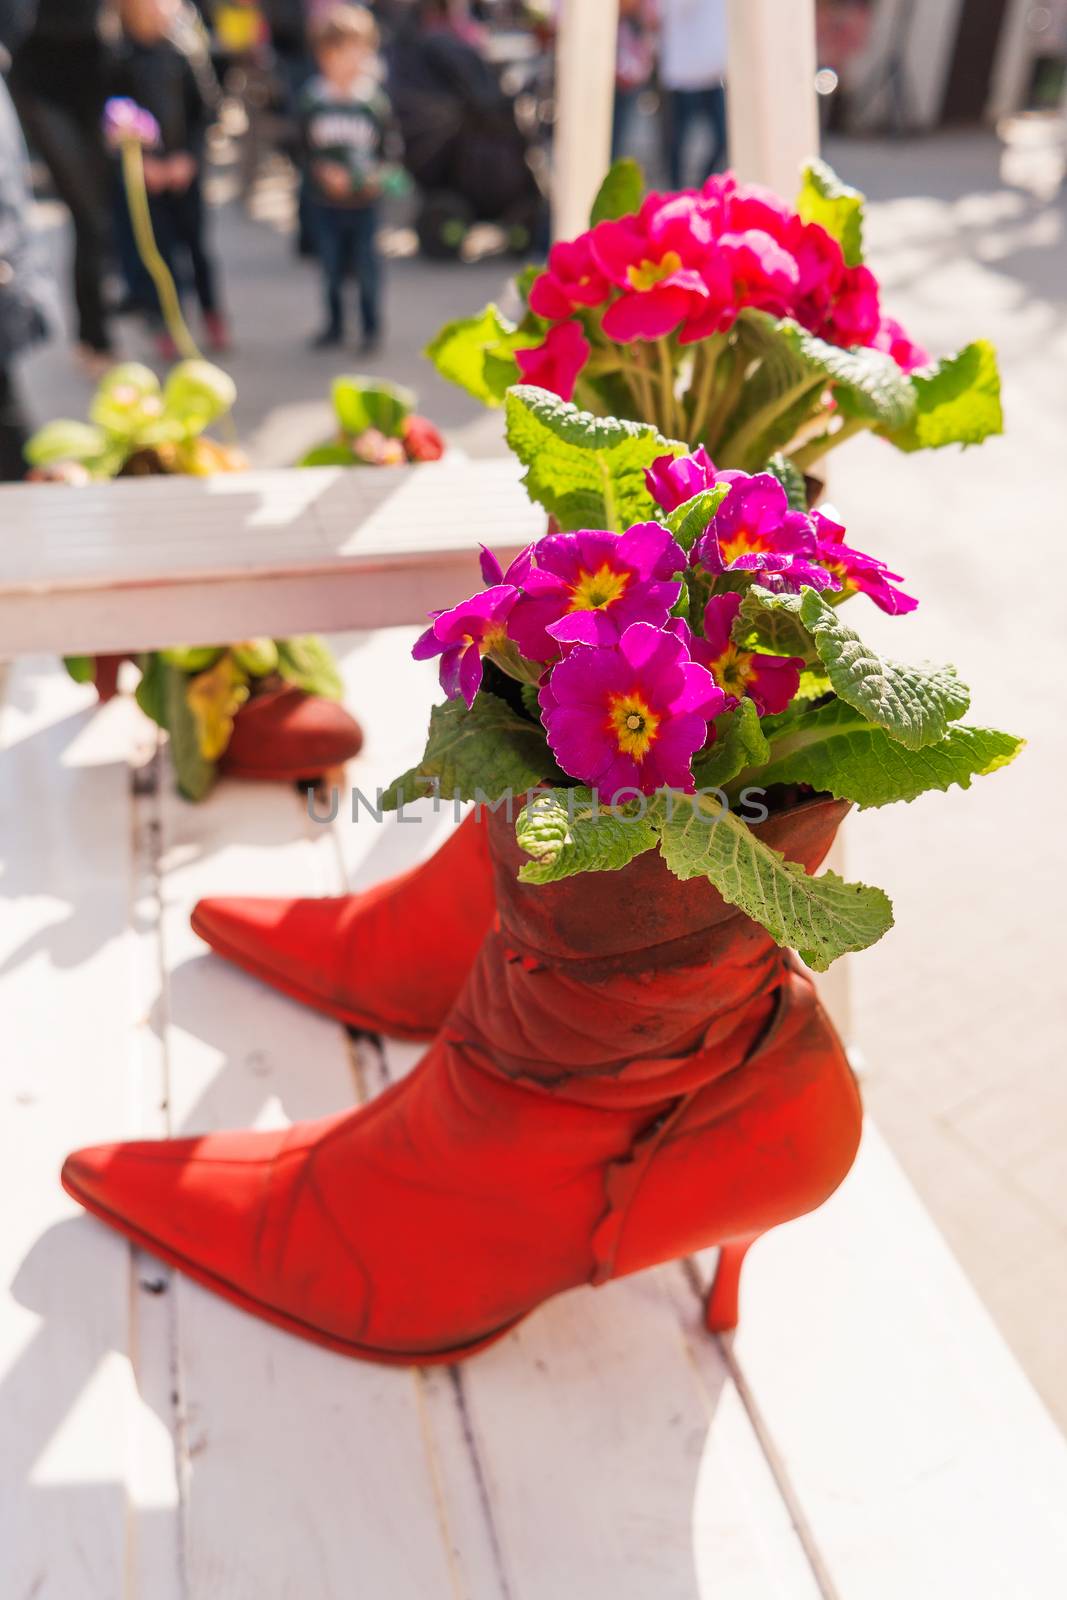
x: 633, y: 1071
x: 391, y: 959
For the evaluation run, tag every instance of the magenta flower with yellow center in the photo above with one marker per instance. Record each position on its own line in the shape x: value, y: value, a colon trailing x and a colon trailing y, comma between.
x: 630, y: 716
x: 589, y: 587
x: 463, y: 636
x: 769, y: 681
x: 754, y: 530
x: 858, y: 573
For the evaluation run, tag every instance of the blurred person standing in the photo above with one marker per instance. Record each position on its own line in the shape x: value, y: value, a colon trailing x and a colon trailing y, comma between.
x: 692, y: 71
x: 345, y: 118
x: 163, y: 63
x: 26, y: 302
x: 59, y: 83
x: 635, y: 61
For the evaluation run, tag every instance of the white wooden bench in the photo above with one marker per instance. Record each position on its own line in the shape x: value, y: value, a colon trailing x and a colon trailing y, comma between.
x: 141, y: 562
x: 865, y: 1436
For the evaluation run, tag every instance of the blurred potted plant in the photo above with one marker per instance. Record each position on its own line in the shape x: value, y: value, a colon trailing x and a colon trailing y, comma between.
x: 377, y: 426
x: 259, y: 709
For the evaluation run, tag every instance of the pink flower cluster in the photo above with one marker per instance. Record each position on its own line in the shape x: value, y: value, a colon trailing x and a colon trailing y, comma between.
x: 686, y: 264
x: 628, y: 692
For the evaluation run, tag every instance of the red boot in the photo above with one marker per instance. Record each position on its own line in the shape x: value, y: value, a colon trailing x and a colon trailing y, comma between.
x: 391, y: 960
x: 286, y: 736
x: 632, y: 1072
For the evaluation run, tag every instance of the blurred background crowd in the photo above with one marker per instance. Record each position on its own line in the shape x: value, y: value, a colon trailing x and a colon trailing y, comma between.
x: 432, y: 117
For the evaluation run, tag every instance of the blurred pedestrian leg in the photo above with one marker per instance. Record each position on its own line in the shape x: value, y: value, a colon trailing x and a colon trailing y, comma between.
x: 692, y: 70
x: 345, y: 241
x: 58, y: 83
x: 635, y: 60
x: 687, y: 108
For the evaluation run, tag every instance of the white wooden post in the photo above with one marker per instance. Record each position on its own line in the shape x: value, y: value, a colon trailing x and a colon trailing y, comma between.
x: 770, y: 90
x: 585, y: 96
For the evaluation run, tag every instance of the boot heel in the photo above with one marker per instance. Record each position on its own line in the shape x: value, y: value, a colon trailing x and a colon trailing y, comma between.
x: 720, y: 1308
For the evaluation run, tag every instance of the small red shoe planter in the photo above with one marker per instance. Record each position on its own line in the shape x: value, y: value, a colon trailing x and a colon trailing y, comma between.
x: 287, y: 735
x: 391, y: 960
x: 633, y: 1071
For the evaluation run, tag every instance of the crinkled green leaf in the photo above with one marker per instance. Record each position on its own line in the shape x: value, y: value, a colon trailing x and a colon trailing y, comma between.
x: 834, y: 206
x: 819, y: 917
x: 957, y: 401
x: 360, y: 403
x: 739, y: 743
x: 566, y: 833
x: 478, y: 353
x: 588, y: 471
x: 482, y: 754
x: 792, y: 481
x: 772, y: 623
x: 308, y: 662
x: 689, y: 520
x: 836, y: 751
x: 620, y: 193
x: 915, y: 705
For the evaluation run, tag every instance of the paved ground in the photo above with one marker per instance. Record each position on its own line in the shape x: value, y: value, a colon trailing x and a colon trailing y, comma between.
x: 960, y: 1012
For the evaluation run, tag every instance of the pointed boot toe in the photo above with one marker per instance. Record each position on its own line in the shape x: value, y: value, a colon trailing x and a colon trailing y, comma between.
x: 228, y: 1209
x: 390, y: 960
x: 294, y: 945
x: 289, y: 736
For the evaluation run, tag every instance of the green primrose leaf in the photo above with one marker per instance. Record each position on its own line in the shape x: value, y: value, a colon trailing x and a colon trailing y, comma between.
x: 565, y: 832
x: 689, y: 520
x: 739, y: 743
x: 771, y: 622
x: 957, y: 401
x: 588, y: 471
x: 477, y: 754
x: 307, y: 661
x: 835, y: 750
x: 65, y: 440
x: 915, y: 705
x: 834, y: 206
x: 478, y: 353
x: 792, y: 481
x: 360, y: 403
x: 819, y: 917
x: 620, y: 193
x: 81, y: 668
x: 196, y: 394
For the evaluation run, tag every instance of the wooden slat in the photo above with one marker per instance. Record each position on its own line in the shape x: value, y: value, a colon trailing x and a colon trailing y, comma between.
x: 307, y: 1473
x: 923, y: 1460
x: 141, y: 562
x: 86, y: 1494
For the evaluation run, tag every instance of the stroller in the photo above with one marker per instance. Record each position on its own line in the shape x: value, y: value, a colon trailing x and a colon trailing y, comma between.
x: 463, y: 146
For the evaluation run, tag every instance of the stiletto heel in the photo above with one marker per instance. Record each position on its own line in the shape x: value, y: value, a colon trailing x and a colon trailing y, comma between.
x: 720, y: 1309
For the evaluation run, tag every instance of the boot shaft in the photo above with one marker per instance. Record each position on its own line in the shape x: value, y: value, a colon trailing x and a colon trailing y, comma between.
x: 596, y: 985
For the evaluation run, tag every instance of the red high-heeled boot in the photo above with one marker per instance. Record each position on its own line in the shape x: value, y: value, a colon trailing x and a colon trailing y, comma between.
x: 391, y: 960
x: 286, y: 735
x: 632, y: 1072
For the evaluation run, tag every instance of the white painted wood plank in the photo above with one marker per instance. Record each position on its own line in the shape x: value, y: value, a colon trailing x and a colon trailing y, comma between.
x: 131, y: 564
x: 78, y: 1493
x: 923, y: 1460
x: 309, y: 1474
